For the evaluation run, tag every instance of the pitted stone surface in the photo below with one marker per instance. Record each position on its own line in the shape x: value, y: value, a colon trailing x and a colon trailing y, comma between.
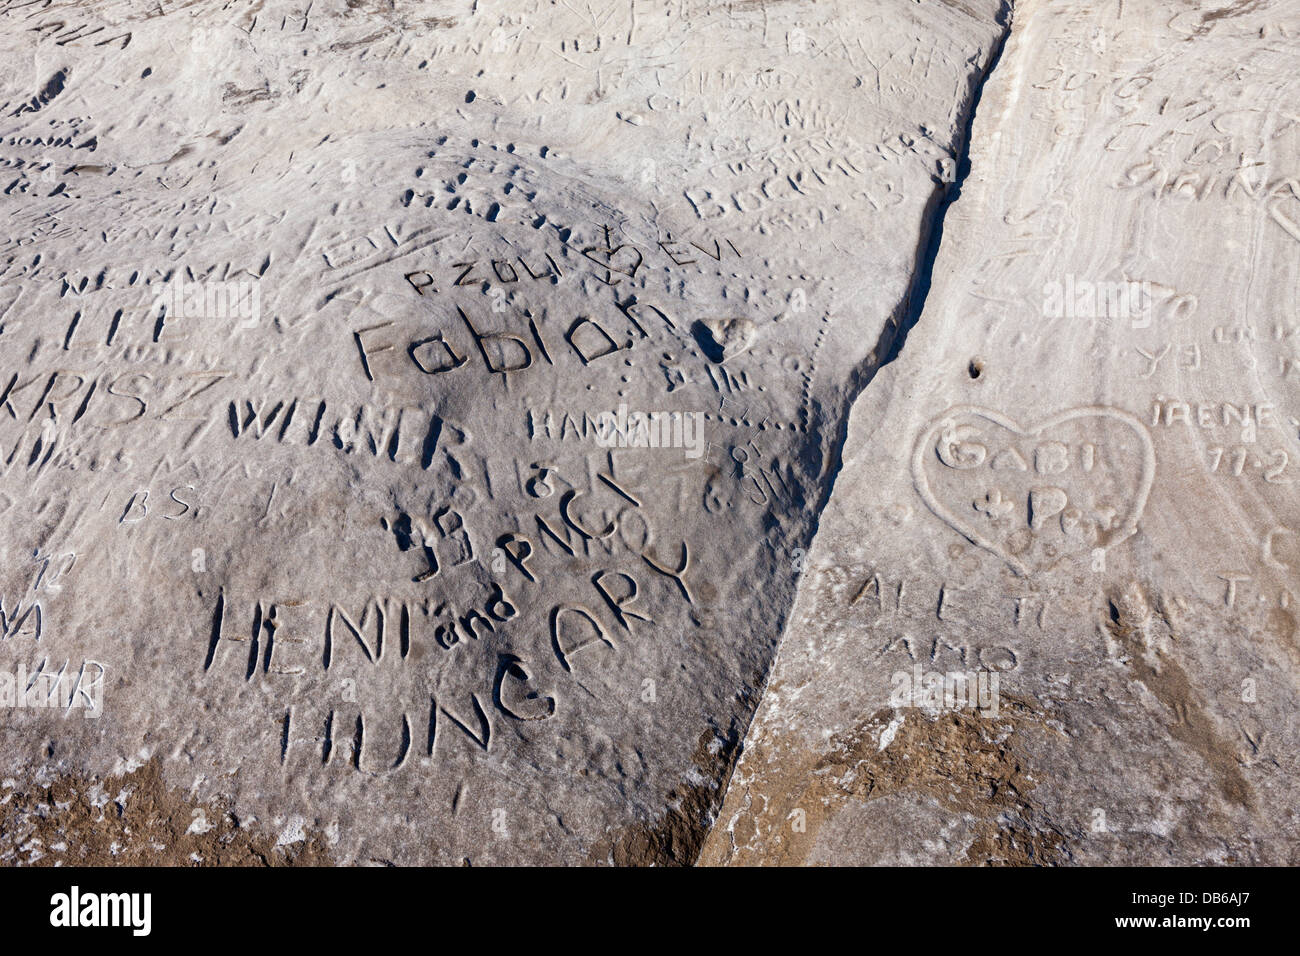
x: 651, y: 432
x: 1076, y: 480
x: 411, y: 413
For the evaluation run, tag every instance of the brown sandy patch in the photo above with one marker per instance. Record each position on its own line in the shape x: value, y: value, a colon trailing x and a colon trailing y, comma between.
x: 968, y: 763
x: 134, y: 819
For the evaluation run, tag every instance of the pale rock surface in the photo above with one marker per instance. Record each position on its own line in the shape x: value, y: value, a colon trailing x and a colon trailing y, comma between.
x: 324, y: 331
x: 359, y: 574
x: 1089, y: 496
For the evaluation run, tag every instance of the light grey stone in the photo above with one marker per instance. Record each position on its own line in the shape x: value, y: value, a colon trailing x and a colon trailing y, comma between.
x: 1077, y: 477
x: 314, y: 322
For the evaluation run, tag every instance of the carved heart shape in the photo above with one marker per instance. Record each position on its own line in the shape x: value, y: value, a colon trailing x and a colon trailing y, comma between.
x: 1075, y: 482
x: 610, y: 252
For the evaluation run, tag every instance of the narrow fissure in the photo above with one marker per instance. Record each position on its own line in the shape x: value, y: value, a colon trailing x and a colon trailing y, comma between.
x: 891, y: 342
x: 914, y: 304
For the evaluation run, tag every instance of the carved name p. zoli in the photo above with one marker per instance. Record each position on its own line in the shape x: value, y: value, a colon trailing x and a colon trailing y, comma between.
x: 1035, y: 495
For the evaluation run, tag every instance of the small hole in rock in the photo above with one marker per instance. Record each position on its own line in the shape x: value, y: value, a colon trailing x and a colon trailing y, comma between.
x: 975, y: 368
